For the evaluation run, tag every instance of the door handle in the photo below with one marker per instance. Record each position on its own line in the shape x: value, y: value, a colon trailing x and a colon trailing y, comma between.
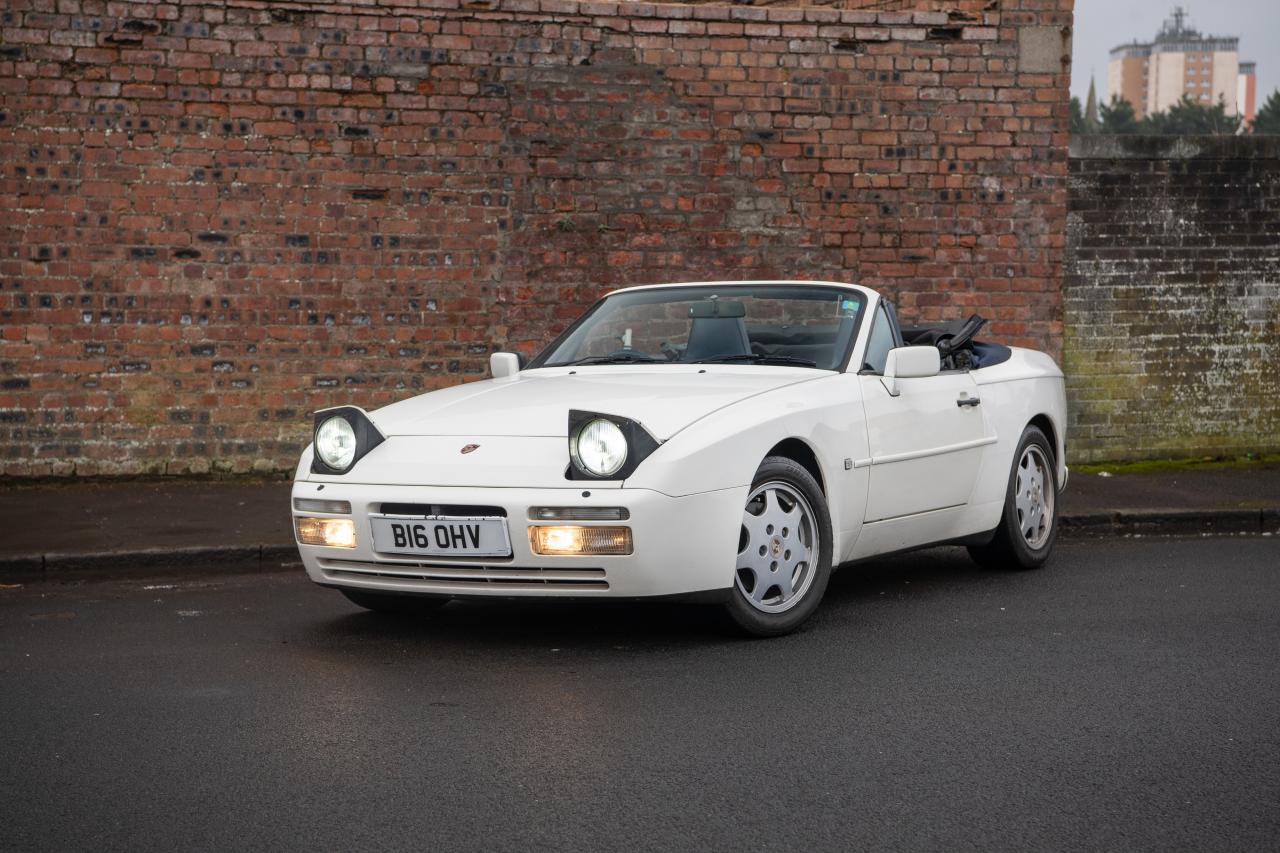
x: 968, y: 401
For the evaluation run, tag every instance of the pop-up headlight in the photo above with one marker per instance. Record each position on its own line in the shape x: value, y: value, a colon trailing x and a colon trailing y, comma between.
x: 606, y: 447
x: 341, y: 437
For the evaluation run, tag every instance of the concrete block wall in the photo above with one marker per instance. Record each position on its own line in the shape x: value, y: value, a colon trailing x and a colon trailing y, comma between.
x: 1172, y: 297
x: 219, y: 215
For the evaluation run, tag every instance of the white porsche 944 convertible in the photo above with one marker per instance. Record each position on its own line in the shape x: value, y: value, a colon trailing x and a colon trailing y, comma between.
x: 727, y: 441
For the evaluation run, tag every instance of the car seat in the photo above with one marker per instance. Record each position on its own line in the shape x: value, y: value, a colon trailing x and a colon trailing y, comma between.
x: 710, y: 337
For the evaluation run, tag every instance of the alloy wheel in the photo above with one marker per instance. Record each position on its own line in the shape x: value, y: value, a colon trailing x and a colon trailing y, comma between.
x: 1033, y: 497
x: 777, y: 548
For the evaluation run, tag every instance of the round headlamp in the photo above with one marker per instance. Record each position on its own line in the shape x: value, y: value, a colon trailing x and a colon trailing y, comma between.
x: 599, y: 447
x: 336, y: 443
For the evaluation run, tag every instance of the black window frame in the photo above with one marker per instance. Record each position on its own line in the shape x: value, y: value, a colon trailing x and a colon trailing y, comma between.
x: 895, y: 335
x: 842, y: 365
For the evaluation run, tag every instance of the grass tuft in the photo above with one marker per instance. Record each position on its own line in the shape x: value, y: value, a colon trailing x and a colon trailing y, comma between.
x: 1155, y: 466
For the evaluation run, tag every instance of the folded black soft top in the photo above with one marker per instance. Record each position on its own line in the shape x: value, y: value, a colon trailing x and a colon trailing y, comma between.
x: 955, y: 341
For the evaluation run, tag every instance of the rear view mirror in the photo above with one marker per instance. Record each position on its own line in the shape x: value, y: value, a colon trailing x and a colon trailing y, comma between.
x: 910, y: 363
x: 717, y: 308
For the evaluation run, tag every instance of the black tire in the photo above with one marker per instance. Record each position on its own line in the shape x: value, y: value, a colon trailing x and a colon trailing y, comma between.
x: 397, y: 604
x: 781, y: 480
x: 1012, y: 547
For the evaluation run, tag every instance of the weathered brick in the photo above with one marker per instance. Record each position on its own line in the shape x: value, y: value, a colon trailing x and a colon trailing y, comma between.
x: 345, y: 203
x: 1170, y: 297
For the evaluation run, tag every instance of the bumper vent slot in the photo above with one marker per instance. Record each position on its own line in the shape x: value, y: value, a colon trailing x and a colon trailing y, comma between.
x: 462, y: 510
x: 461, y: 578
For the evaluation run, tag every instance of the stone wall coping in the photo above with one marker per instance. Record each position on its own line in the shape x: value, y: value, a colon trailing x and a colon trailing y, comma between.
x: 1113, y: 147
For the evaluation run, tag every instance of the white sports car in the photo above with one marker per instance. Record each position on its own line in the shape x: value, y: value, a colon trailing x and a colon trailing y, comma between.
x: 727, y: 441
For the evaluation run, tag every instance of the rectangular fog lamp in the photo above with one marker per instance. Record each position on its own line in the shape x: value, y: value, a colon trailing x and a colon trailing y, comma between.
x: 580, y: 541
x: 329, y: 532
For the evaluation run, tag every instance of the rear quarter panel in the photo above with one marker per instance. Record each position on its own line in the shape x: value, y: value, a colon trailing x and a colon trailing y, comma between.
x: 1028, y: 385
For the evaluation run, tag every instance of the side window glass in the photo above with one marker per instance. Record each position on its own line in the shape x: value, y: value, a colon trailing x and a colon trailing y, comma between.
x: 894, y: 323
x: 879, y: 344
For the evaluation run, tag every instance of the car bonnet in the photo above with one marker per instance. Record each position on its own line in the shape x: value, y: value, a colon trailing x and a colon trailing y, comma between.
x: 663, y: 399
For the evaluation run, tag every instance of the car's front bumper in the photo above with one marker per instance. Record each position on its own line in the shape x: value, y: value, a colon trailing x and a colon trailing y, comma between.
x: 681, y: 546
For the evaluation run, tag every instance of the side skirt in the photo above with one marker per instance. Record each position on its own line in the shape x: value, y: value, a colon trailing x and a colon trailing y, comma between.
x: 974, y: 539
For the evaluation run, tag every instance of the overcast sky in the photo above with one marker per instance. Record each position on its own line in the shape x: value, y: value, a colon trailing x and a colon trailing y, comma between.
x: 1103, y: 24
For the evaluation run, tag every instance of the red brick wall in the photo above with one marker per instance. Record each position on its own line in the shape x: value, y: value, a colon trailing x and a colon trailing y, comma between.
x: 218, y: 216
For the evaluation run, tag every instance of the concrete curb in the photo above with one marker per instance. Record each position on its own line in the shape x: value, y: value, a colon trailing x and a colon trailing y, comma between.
x: 224, y: 559
x: 1172, y: 522
x: 273, y: 558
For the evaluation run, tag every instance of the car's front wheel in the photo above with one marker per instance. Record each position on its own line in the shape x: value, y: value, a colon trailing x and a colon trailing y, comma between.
x: 784, y: 550
x: 395, y: 603
x: 1029, y: 525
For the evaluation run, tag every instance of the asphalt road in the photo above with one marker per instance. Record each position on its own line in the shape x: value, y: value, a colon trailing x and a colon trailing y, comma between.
x: 1126, y: 697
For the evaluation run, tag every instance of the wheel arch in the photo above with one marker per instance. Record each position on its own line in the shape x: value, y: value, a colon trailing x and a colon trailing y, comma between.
x: 1045, y: 424
x: 799, y: 451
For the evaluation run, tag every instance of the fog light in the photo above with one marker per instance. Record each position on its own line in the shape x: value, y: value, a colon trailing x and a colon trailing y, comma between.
x: 329, y: 532
x: 566, y: 541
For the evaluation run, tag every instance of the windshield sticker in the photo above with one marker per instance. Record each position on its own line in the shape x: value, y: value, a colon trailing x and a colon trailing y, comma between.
x: 848, y: 308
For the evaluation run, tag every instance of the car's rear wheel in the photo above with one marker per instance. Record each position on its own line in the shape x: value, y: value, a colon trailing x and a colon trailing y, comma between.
x: 784, y: 551
x: 1029, y: 524
x: 395, y: 603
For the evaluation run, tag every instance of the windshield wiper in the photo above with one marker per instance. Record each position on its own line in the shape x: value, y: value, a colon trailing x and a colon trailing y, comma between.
x: 756, y: 358
x: 613, y: 358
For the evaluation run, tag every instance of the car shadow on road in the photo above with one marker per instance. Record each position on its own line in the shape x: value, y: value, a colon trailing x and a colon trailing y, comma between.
x: 526, y: 624
x: 928, y: 571
x: 656, y: 625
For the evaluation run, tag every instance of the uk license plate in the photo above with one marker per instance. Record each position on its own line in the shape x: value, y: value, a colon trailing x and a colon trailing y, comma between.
x: 441, y: 536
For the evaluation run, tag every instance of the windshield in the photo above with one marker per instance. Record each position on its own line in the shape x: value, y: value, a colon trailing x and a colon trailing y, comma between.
x: 797, y: 325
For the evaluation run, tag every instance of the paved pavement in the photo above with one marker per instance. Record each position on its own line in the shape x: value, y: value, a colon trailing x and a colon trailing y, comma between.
x: 61, y: 531
x: 1126, y: 697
